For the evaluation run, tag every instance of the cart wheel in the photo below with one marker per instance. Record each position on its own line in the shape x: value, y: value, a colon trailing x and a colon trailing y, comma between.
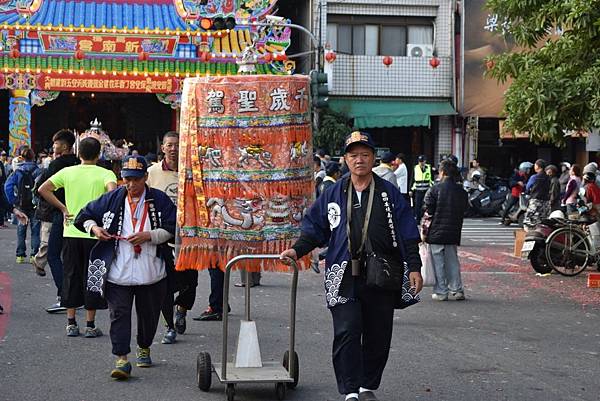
x: 280, y: 391
x: 286, y: 364
x: 230, y: 392
x: 204, y: 371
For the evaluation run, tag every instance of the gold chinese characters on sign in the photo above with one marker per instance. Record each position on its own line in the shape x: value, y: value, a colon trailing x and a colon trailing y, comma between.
x: 112, y: 84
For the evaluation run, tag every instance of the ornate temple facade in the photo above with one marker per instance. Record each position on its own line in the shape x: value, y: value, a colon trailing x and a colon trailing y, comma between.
x: 128, y: 46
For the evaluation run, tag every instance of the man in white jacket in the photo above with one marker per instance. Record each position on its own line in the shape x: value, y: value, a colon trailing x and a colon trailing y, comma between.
x: 402, y: 175
x: 137, y: 222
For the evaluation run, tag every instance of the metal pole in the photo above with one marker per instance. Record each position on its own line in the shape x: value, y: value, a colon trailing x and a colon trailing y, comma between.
x: 247, y: 294
x: 292, y: 356
x: 225, y: 317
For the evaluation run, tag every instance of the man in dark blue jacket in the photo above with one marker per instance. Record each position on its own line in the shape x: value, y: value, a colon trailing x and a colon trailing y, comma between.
x: 538, y: 188
x: 362, y: 315
x: 11, y: 187
x: 445, y: 203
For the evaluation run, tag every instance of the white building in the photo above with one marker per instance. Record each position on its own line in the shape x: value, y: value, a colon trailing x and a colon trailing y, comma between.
x: 407, y: 106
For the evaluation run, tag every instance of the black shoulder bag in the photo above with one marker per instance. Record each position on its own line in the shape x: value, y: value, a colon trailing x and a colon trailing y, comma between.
x: 356, y: 262
x: 382, y: 272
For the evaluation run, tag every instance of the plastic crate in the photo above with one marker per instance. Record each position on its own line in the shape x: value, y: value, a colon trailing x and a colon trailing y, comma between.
x: 593, y: 280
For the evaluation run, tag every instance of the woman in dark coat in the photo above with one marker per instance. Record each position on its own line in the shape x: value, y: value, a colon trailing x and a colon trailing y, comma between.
x: 552, y: 172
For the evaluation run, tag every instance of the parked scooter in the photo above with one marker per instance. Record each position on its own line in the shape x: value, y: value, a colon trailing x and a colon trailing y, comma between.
x: 534, y: 246
x: 517, y: 213
x: 484, y: 201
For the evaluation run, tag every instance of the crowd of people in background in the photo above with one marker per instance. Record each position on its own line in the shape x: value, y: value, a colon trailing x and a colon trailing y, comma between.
x: 566, y: 187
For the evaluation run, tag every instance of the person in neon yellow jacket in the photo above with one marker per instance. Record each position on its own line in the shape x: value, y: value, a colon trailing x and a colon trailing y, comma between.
x: 422, y: 181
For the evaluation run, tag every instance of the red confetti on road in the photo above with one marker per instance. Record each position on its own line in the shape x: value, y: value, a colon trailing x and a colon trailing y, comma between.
x: 5, y: 301
x: 513, y: 277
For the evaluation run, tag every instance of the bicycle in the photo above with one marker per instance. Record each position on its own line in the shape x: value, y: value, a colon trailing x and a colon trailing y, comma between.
x: 570, y: 249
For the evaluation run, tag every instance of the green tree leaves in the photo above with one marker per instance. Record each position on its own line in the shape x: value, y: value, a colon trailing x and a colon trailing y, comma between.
x: 555, y: 79
x: 333, y: 130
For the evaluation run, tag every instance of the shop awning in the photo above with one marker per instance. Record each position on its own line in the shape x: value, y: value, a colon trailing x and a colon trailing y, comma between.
x: 386, y: 113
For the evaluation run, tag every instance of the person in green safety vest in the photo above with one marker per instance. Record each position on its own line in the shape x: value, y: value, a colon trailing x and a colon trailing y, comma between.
x: 422, y: 181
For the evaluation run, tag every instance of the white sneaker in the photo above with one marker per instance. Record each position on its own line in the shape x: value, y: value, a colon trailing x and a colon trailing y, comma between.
x: 439, y: 297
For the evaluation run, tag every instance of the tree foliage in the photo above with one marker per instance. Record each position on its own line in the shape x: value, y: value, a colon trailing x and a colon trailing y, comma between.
x: 334, y: 127
x: 555, y: 78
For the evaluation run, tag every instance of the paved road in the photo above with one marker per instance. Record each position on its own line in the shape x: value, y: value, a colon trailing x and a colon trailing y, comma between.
x: 517, y: 337
x: 487, y: 232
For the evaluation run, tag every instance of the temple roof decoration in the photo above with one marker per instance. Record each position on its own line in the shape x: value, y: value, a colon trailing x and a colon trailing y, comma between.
x: 127, y: 16
x: 239, y: 9
x: 118, y: 14
x: 162, y: 41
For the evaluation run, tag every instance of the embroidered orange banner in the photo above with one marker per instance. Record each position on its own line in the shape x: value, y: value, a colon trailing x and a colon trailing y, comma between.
x: 245, y: 177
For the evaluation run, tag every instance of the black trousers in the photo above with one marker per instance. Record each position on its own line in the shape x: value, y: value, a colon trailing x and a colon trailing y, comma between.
x: 215, y: 299
x: 148, y: 300
x: 185, y: 283
x: 362, y: 331
x: 76, y: 258
x: 513, y: 201
x: 419, y: 197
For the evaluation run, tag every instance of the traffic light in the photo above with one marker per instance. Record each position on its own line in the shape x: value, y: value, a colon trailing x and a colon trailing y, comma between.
x: 217, y: 24
x: 319, y: 89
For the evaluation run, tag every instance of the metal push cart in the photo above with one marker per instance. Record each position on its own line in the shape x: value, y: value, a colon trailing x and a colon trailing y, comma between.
x: 283, y: 375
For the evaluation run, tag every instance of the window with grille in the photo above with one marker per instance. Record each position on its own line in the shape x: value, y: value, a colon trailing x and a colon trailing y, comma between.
x: 372, y: 36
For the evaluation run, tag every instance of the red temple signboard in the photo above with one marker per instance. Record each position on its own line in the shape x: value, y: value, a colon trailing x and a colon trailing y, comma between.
x: 108, y: 44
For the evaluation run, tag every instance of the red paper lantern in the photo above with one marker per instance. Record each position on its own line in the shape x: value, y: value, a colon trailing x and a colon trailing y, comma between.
x: 14, y: 52
x: 330, y: 57
x: 79, y: 54
x: 268, y: 57
x: 387, y: 61
x: 434, y: 62
x: 143, y: 56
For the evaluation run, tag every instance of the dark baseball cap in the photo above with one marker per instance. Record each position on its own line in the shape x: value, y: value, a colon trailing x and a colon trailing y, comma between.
x: 332, y: 168
x: 388, y: 157
x: 134, y: 166
x: 358, y: 137
x: 422, y: 158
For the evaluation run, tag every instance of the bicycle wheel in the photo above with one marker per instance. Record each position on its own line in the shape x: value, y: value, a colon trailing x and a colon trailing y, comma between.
x: 568, y: 251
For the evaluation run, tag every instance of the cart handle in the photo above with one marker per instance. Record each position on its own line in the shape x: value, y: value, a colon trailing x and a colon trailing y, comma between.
x: 294, y: 266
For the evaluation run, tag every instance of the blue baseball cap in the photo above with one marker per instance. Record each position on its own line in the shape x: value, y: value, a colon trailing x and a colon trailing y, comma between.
x: 358, y: 137
x: 134, y: 166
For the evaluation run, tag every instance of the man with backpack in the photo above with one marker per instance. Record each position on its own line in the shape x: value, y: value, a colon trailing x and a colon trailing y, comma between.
x: 19, y: 192
x: 52, y: 218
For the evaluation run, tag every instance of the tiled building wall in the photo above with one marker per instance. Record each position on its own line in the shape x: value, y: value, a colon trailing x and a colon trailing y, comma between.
x: 443, y: 145
x: 407, y: 76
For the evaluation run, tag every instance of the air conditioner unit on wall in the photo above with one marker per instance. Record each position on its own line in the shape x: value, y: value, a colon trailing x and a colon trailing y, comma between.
x: 415, y: 50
